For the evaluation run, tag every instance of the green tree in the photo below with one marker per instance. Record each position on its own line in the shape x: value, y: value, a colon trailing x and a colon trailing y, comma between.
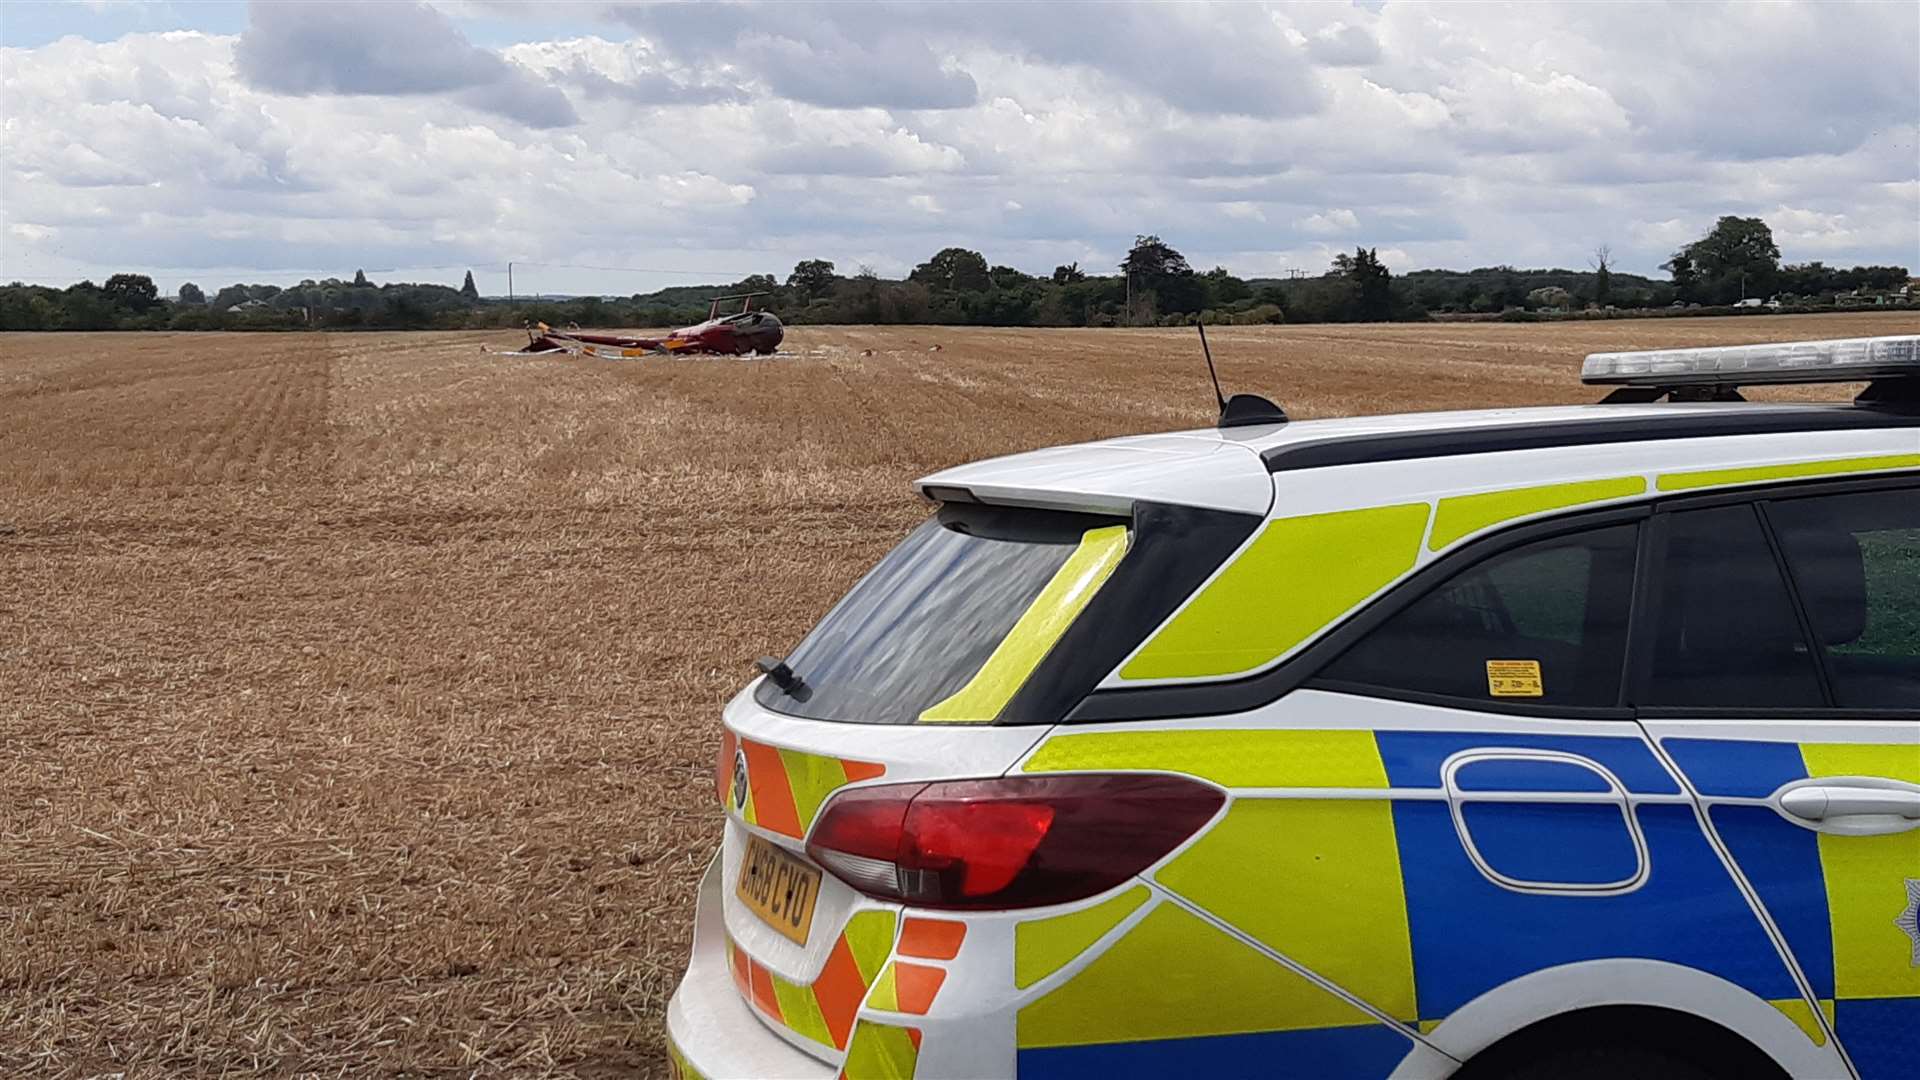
x: 1373, y: 283
x: 1161, y: 279
x: 1603, y: 275
x: 85, y: 306
x: 468, y: 290
x: 135, y: 292
x: 811, y: 278
x: 953, y: 269
x: 1006, y: 277
x: 1070, y: 274
x: 1152, y: 259
x: 1738, y: 258
x: 360, y: 279
x: 190, y: 295
x: 1224, y: 288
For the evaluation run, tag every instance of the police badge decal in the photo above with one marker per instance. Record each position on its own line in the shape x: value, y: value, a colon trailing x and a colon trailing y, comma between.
x: 1909, y: 919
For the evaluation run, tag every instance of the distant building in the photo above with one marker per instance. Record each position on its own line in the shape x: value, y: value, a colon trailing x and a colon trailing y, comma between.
x: 248, y: 305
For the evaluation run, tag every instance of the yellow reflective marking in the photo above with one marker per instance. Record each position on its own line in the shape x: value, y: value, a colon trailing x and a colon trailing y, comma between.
x: 1044, y: 946
x: 1427, y: 1026
x: 1802, y: 1016
x: 1716, y: 477
x: 885, y: 995
x: 1297, y: 576
x: 1039, y: 627
x: 1174, y: 976
x: 800, y: 1011
x: 811, y: 778
x: 1329, y: 896
x: 880, y: 1052
x: 870, y: 938
x: 1462, y: 515
x: 1229, y: 758
x: 1866, y: 879
x: 1889, y: 761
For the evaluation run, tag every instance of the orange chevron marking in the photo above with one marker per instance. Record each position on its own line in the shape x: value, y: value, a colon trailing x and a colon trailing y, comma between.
x: 932, y: 939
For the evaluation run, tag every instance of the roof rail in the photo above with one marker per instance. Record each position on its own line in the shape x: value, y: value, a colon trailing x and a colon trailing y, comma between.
x: 1890, y: 364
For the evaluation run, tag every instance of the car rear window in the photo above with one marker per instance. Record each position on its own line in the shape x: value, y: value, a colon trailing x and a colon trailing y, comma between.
x: 930, y: 632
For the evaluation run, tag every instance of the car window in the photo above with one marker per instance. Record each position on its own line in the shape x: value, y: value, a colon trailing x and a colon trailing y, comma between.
x: 1855, y: 560
x: 925, y: 621
x: 1543, y: 623
x: 1726, y: 634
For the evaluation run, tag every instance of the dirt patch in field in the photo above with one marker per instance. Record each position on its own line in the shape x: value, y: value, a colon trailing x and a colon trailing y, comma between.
x: 360, y: 691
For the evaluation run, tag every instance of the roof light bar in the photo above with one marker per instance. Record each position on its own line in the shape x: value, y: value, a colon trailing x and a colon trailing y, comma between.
x: 1838, y: 360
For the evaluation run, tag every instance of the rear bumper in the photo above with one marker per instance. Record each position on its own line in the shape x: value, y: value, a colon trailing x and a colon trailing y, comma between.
x: 712, y: 1033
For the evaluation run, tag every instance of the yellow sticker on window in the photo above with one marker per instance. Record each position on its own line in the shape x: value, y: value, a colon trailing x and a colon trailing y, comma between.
x: 1514, y: 678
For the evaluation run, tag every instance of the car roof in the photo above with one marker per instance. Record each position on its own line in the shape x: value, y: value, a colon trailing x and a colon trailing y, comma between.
x: 1364, y: 460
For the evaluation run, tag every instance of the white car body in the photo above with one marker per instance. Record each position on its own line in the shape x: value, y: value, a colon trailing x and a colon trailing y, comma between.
x: 1395, y: 882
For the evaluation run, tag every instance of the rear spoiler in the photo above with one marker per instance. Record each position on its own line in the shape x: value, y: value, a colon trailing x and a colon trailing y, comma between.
x: 1109, y: 477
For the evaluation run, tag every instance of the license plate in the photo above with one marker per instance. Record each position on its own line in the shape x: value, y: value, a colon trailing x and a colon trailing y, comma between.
x: 779, y: 888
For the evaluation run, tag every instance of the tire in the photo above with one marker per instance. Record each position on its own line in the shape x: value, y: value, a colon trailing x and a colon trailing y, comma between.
x: 1597, y: 1063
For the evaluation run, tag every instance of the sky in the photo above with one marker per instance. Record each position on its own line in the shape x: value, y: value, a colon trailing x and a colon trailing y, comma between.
x: 619, y: 148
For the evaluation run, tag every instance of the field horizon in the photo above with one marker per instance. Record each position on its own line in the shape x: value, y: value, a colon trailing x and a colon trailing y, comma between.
x: 362, y: 689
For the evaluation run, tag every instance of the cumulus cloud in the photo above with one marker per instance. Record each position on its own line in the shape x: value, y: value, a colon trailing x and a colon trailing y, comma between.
x: 1343, y: 46
x: 389, y: 47
x: 834, y: 57
x: 1329, y: 223
x: 1260, y: 138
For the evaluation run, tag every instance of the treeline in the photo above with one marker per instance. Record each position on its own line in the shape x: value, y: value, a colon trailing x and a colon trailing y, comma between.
x: 1737, y: 262
x: 132, y: 302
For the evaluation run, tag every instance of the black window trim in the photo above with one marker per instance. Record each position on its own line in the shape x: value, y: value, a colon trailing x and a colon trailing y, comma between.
x: 1301, y: 671
x: 1758, y: 497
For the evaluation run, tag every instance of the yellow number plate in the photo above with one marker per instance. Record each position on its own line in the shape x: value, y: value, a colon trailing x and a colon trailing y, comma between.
x: 779, y: 888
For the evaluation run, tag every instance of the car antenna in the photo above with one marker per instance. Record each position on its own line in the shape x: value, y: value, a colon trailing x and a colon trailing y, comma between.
x: 1218, y: 398
x: 1240, y: 410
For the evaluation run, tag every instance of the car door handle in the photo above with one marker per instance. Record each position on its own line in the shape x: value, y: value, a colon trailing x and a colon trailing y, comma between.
x: 1825, y: 802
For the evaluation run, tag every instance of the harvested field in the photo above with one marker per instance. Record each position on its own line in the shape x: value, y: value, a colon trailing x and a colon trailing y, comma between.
x: 359, y: 691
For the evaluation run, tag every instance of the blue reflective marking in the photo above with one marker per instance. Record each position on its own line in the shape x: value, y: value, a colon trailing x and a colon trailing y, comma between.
x: 1782, y: 861
x: 1470, y: 935
x: 1882, y: 1035
x: 1413, y: 758
x: 1737, y: 767
x: 1563, y: 844
x: 1519, y: 774
x: 1349, y: 1053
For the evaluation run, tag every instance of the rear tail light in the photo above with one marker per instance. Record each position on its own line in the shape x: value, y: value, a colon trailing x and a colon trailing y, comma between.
x: 1007, y: 843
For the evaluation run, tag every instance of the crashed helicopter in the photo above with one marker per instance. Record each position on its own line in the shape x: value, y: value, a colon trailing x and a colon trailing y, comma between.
x: 736, y: 333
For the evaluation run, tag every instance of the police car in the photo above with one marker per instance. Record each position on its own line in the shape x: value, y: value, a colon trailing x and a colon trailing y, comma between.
x: 1557, y: 742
